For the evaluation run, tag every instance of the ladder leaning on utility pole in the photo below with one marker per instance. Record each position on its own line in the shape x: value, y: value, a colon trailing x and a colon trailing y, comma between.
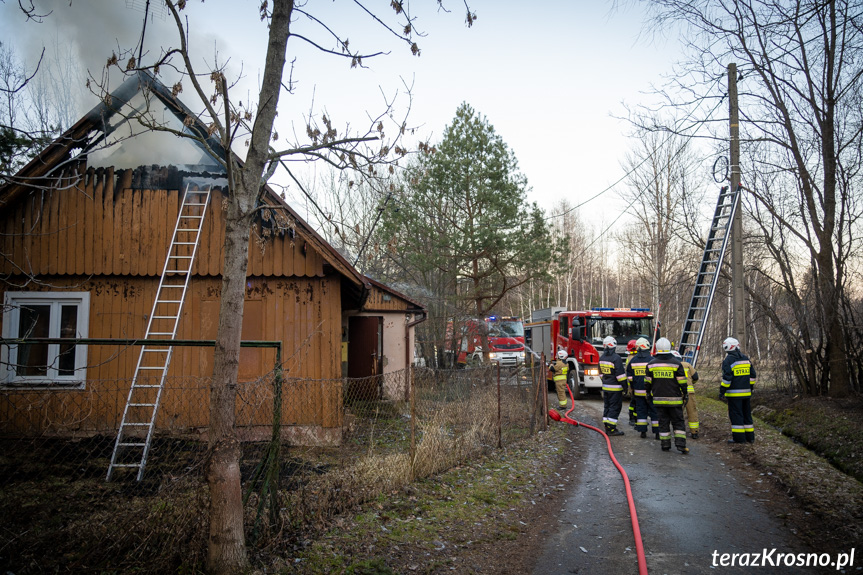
x: 708, y: 274
x: 135, y: 434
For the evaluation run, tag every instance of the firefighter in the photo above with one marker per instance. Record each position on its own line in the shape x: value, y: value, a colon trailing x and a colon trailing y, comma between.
x: 558, y: 370
x: 635, y: 370
x: 613, y: 382
x: 665, y: 382
x: 738, y: 381
x: 631, y: 351
x: 691, y: 408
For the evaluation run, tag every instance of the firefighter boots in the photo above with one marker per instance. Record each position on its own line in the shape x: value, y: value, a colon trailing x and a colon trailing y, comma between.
x: 643, y: 434
x: 666, y: 444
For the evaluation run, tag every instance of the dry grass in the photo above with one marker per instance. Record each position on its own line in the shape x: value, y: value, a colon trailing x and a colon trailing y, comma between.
x: 472, y: 518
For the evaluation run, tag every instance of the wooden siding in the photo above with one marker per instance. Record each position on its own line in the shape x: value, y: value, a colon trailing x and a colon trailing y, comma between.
x: 302, y: 313
x: 382, y: 300
x: 97, y: 224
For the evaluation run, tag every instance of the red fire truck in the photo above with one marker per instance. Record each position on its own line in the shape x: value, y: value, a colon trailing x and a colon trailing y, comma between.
x: 580, y: 334
x: 505, y: 340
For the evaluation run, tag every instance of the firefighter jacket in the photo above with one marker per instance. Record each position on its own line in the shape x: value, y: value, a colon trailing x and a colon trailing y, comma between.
x: 613, y: 374
x: 558, y: 370
x: 738, y: 375
x: 636, y: 370
x: 691, y: 376
x: 665, y: 380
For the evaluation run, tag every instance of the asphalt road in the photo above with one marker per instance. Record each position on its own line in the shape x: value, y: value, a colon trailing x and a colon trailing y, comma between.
x: 689, y: 507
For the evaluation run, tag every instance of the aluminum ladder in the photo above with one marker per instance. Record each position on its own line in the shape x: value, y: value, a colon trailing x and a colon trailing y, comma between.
x: 708, y: 274
x: 135, y: 435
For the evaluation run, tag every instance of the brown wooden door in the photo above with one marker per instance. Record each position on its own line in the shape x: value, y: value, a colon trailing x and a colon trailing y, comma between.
x: 364, y: 356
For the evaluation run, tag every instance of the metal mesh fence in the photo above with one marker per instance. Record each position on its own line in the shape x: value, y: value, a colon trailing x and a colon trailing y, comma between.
x: 311, y: 450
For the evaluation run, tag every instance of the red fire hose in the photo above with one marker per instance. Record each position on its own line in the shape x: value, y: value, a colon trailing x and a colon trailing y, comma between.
x: 636, y: 531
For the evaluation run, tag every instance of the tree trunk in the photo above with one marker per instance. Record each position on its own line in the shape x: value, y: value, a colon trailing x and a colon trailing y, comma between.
x: 226, y: 549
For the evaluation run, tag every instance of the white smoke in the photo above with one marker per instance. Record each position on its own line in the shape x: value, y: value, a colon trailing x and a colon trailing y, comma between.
x: 82, y: 35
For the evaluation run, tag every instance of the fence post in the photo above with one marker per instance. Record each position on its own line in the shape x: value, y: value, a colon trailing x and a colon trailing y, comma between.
x: 499, y: 423
x: 413, y: 452
x: 544, y: 392
x: 535, y: 379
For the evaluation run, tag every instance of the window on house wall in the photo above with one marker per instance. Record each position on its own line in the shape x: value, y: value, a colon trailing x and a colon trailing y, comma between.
x: 45, y: 315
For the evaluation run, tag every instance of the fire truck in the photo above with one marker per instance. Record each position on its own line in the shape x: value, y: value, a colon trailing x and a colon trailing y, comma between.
x: 505, y: 340
x: 580, y: 334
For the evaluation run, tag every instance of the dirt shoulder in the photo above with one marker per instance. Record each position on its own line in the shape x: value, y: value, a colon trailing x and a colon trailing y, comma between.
x: 821, y: 503
x: 494, y: 514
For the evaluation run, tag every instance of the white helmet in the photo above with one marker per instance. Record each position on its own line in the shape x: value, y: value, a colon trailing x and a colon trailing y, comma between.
x: 663, y: 345
x: 730, y: 344
x: 642, y: 343
x: 676, y: 354
x: 561, y: 354
x: 609, y: 341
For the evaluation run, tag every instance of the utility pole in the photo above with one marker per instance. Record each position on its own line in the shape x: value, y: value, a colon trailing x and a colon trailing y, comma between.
x: 737, y: 292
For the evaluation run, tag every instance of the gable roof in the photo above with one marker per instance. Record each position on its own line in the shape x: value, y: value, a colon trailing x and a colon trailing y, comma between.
x: 74, y: 146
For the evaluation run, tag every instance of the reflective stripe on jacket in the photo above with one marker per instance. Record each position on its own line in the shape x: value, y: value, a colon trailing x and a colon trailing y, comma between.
x: 559, y: 370
x: 613, y: 374
x: 665, y: 380
x: 636, y: 369
x: 738, y: 375
x: 691, y: 375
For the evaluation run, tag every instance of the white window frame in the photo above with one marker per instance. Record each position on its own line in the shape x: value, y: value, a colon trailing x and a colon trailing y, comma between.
x: 12, y: 303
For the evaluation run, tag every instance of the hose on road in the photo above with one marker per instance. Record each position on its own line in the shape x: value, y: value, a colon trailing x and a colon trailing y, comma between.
x: 636, y: 531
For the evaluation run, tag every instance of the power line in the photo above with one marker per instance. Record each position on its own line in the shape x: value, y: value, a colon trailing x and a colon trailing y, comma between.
x: 640, y: 193
x: 634, y: 168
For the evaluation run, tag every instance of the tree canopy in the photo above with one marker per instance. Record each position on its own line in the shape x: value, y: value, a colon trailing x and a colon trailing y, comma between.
x: 463, y: 223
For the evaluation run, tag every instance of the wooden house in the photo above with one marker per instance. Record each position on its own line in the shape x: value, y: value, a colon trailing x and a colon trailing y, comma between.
x: 84, y: 232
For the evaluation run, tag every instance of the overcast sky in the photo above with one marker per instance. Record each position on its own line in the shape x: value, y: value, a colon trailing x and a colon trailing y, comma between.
x: 549, y: 76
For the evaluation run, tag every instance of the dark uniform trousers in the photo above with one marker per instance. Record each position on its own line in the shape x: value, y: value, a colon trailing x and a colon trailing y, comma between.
x: 613, y: 384
x: 740, y: 414
x: 671, y: 418
x: 653, y: 416
x: 645, y: 414
x: 612, y: 404
x: 665, y: 380
x: 738, y: 381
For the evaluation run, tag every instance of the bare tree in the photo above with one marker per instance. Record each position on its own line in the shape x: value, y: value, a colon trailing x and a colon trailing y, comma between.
x: 802, y: 132
x: 347, y: 208
x: 663, y: 201
x: 23, y: 132
x: 575, y: 256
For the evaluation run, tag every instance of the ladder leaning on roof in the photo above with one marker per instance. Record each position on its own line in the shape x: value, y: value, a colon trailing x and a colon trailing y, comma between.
x: 708, y: 274
x: 135, y: 434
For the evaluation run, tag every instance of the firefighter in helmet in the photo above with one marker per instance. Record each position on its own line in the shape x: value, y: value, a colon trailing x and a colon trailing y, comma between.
x: 630, y: 351
x: 636, y: 366
x: 738, y: 381
x: 691, y: 408
x: 665, y: 382
x: 558, y: 371
x: 613, y: 382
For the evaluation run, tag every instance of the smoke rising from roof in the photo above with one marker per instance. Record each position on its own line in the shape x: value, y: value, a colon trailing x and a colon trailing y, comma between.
x: 91, y: 31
